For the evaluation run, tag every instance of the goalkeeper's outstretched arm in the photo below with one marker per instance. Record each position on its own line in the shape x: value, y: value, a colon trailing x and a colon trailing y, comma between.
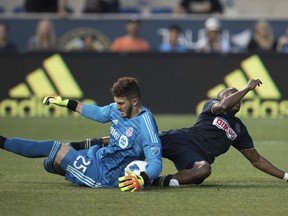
x: 59, y: 101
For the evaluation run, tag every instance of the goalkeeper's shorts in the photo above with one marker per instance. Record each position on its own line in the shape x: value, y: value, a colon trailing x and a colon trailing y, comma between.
x: 81, y: 169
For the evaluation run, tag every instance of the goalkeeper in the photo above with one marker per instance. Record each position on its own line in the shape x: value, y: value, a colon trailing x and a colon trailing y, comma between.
x: 133, y: 136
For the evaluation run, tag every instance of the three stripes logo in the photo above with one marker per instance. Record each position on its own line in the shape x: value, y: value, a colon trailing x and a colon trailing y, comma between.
x: 263, y: 102
x: 26, y: 97
x: 39, y: 84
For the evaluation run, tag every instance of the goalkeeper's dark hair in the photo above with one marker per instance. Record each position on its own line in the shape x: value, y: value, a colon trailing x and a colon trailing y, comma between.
x: 126, y: 87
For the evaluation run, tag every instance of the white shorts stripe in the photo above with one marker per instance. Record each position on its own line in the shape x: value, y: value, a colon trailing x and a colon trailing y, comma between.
x: 80, y: 176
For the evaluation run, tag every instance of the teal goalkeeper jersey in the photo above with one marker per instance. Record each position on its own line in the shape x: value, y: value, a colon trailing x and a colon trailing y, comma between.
x: 130, y: 139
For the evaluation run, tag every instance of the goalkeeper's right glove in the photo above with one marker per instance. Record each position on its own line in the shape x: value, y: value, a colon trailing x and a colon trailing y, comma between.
x: 132, y: 182
x: 57, y: 100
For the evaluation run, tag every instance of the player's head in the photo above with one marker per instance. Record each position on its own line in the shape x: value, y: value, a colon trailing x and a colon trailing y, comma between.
x: 127, y: 95
x: 225, y: 93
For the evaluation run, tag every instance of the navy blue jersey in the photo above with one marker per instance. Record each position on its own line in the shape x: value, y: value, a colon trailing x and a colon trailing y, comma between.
x: 211, y: 136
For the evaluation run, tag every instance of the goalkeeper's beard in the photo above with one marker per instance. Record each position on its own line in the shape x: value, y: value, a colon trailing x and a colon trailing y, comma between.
x: 128, y: 112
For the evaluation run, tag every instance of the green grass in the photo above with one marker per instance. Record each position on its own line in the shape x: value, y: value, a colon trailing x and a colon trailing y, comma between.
x: 234, y: 188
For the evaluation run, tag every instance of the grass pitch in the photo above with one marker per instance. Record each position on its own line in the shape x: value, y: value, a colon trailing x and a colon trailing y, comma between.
x: 234, y: 188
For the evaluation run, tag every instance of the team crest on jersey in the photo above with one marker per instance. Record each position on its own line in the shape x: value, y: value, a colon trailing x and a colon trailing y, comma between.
x: 238, y: 128
x: 129, y: 132
x: 155, y: 150
x: 123, y: 142
x: 223, y: 124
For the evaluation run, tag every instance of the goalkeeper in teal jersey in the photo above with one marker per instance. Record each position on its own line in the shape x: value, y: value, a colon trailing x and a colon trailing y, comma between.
x: 133, y: 136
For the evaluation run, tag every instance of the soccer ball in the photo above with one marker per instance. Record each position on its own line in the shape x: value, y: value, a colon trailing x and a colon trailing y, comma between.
x: 136, y: 166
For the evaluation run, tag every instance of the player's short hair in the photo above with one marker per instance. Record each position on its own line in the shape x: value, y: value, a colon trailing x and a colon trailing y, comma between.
x: 223, y: 92
x: 126, y: 87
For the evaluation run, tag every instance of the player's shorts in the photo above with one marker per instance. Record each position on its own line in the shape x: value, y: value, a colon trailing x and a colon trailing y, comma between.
x: 178, y: 147
x: 81, y: 169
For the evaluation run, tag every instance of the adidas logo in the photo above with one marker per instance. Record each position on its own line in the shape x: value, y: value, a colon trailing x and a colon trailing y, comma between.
x: 115, y: 121
x: 259, y: 103
x: 26, y: 97
x: 39, y: 84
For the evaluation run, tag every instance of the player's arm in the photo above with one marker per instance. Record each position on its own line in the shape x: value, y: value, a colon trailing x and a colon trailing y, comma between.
x: 232, y: 100
x: 263, y: 164
x: 90, y: 111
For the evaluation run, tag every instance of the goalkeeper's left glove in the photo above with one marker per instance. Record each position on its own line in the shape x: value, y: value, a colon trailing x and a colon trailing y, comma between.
x: 59, y: 101
x: 133, y: 182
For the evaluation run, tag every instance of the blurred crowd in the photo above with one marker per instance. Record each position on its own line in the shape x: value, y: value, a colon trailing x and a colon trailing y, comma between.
x: 63, y: 8
x: 212, y: 41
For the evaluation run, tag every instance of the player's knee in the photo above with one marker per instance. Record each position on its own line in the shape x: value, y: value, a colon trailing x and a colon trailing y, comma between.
x: 62, y: 153
x: 204, y: 169
x: 48, y: 165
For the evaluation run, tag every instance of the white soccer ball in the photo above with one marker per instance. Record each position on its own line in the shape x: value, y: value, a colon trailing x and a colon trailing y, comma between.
x: 136, y: 166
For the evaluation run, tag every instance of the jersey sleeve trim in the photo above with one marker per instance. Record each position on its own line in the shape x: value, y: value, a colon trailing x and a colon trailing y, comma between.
x: 150, y: 128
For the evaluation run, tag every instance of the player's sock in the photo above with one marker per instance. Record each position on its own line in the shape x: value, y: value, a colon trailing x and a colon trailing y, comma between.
x: 31, y: 148
x: 86, y: 144
x: 2, y: 141
x: 165, y: 181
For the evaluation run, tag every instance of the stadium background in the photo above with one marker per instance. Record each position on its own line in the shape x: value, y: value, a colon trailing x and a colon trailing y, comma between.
x: 175, y: 86
x: 172, y: 83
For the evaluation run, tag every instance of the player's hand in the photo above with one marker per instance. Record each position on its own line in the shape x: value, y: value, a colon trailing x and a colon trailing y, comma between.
x: 132, y: 182
x: 55, y: 99
x: 252, y: 84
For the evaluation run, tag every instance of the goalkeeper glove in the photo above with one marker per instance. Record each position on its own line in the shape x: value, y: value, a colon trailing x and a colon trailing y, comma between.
x: 57, y: 100
x: 132, y: 182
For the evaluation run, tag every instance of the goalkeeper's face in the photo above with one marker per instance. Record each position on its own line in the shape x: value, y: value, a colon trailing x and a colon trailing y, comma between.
x: 125, y: 106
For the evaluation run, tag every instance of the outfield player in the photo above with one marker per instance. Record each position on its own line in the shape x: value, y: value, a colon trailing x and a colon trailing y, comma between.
x: 133, y: 136
x: 194, y: 149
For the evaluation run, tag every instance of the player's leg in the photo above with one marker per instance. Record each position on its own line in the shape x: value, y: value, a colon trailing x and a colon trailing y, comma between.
x: 30, y: 148
x: 33, y: 149
x: 86, y: 144
x: 188, y: 159
x: 79, y: 168
x: 196, y: 175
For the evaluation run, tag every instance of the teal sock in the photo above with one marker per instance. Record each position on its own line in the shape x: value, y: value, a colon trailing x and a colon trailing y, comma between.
x: 32, y: 148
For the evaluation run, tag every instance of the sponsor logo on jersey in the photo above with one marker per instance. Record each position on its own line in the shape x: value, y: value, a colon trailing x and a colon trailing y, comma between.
x: 263, y: 101
x: 129, y: 132
x: 123, y: 142
x: 114, y: 133
x: 155, y: 150
x: 26, y: 97
x: 223, y: 124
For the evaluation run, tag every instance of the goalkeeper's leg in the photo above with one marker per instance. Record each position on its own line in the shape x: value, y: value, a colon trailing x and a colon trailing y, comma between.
x: 34, y: 149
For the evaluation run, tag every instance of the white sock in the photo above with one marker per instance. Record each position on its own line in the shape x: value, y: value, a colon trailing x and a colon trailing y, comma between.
x: 174, y: 183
